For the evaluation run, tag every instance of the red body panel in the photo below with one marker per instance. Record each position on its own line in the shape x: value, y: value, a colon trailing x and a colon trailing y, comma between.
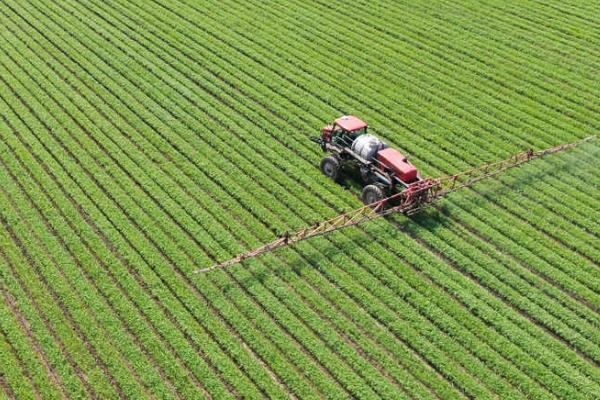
x: 395, y: 161
x: 350, y: 123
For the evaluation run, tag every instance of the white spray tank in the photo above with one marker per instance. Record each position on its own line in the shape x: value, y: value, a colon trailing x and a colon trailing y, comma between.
x: 367, y: 146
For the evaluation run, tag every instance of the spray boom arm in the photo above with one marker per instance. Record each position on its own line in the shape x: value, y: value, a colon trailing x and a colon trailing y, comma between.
x: 416, y: 197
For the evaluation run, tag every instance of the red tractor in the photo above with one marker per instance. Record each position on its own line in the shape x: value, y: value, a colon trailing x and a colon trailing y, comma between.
x: 384, y: 170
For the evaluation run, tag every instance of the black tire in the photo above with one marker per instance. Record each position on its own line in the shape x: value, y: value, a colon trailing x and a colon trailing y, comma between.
x: 372, y: 193
x: 331, y: 167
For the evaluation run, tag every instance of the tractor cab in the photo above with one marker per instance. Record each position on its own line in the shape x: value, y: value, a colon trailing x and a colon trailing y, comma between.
x: 384, y: 170
x: 344, y: 130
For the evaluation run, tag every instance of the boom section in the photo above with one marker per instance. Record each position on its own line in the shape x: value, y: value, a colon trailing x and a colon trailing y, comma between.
x: 417, y: 196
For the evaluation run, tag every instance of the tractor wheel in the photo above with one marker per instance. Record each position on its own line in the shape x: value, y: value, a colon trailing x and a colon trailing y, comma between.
x: 331, y: 167
x: 372, y: 193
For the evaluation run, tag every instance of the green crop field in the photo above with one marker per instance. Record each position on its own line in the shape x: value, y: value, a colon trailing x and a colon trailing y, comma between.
x: 141, y: 140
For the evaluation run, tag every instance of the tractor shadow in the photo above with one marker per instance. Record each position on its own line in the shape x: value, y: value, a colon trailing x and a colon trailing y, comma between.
x: 351, y: 179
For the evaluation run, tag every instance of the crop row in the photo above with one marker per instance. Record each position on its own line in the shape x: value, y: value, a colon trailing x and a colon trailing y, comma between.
x: 361, y: 67
x: 107, y: 288
x: 535, y: 42
x: 93, y: 367
x: 553, y: 316
x: 15, y: 366
x: 513, y: 69
x: 99, y: 311
x: 278, y: 191
x: 196, y: 335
